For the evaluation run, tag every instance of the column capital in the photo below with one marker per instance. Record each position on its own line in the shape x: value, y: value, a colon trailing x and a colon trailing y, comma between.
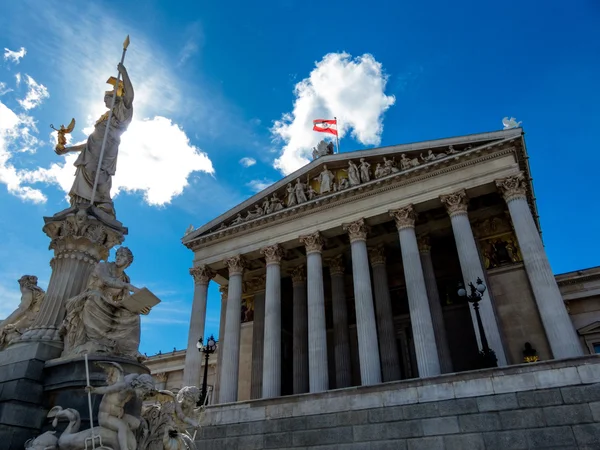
x: 357, y: 230
x: 513, y: 187
x: 202, y: 274
x: 236, y: 264
x: 273, y: 253
x: 223, y: 289
x: 424, y: 243
x: 377, y: 255
x: 455, y: 203
x: 404, y: 217
x: 161, y: 377
x: 313, y: 242
x: 336, y: 265
x: 298, y: 275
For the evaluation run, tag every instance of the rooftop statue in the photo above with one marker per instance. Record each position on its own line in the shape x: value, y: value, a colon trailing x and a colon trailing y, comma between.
x: 323, y: 148
x: 510, y: 123
x: 121, y: 114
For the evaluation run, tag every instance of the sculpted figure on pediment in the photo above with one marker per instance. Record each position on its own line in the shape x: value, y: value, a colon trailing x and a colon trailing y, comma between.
x: 344, y: 184
x: 451, y: 150
x: 291, y: 195
x: 353, y: 174
x: 256, y: 213
x: 326, y: 179
x: 365, y: 172
x: 238, y: 219
x: 311, y: 193
x: 276, y: 204
x: 266, y: 206
x: 380, y: 171
x: 407, y: 163
x: 389, y: 166
x: 22, y: 318
x: 299, y: 188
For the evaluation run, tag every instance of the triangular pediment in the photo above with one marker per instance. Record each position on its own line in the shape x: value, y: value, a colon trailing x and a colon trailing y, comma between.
x: 339, y: 175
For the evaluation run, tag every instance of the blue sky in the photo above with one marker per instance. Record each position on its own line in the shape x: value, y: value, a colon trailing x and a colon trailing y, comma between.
x: 217, y: 84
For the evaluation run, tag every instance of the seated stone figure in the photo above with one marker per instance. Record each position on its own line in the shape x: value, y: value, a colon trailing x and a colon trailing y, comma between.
x: 96, y: 320
x: 22, y: 318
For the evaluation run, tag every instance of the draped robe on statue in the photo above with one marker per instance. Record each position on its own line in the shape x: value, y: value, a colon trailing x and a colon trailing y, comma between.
x: 96, y: 322
x: 87, y: 161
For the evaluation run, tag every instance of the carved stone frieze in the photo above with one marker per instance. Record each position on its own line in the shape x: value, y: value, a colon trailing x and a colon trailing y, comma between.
x: 456, y: 203
x: 336, y: 265
x: 236, y: 264
x: 404, y: 217
x: 202, y: 274
x: 424, y: 243
x: 299, y: 275
x: 377, y: 255
x: 357, y: 230
x: 313, y: 242
x: 512, y: 187
x: 273, y: 253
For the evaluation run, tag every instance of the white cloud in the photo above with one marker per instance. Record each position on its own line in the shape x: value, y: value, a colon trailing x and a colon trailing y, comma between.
x: 14, y: 56
x: 351, y: 89
x: 247, y: 161
x: 155, y: 157
x: 259, y: 185
x: 18, y: 78
x: 4, y: 89
x: 36, y: 94
x: 15, y: 135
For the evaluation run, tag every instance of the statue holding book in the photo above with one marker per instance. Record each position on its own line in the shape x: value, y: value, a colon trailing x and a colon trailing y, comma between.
x: 105, y: 317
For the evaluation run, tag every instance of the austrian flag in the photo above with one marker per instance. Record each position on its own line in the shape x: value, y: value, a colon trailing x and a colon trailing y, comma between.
x: 325, y: 126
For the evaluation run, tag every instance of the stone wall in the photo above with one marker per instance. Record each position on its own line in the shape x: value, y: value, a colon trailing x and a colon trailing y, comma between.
x: 552, y: 404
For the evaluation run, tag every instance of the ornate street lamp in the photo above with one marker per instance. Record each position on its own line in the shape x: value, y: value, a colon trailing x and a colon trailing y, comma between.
x: 487, y: 356
x: 208, y: 349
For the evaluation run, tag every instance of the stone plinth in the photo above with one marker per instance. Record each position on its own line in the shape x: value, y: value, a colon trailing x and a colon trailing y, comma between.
x: 549, y: 404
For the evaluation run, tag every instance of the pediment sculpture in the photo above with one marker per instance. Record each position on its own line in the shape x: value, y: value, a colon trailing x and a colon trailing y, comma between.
x: 323, y: 148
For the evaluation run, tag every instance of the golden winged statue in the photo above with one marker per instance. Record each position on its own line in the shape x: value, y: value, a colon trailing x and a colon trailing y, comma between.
x: 62, y: 131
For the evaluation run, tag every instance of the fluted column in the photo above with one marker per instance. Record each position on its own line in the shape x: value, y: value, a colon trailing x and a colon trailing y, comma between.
x: 559, y: 328
x: 231, y: 351
x: 300, y: 331
x: 426, y: 353
x: 192, y: 373
x: 258, y: 341
x: 271, y: 386
x: 470, y: 263
x: 388, y: 346
x: 366, y: 328
x: 224, y: 292
x: 317, y: 328
x: 343, y: 368
x: 435, y: 306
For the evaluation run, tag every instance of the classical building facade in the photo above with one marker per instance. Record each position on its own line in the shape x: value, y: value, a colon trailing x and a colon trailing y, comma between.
x: 345, y: 273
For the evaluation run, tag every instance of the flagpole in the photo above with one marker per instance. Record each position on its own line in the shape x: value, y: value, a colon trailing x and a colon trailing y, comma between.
x: 337, y: 131
x: 110, y: 113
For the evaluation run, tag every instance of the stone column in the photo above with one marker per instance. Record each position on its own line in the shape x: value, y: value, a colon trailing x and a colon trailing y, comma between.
x: 435, y: 306
x: 343, y: 368
x: 300, y: 331
x: 388, y: 346
x: 231, y: 351
x: 80, y: 238
x: 366, y: 328
x: 224, y: 292
x: 317, y: 328
x: 271, y: 386
x: 559, y: 328
x: 258, y: 333
x: 426, y: 352
x: 470, y: 263
x: 192, y: 373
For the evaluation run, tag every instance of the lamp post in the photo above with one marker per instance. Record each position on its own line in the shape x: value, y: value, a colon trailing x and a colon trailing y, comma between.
x: 487, y: 356
x: 208, y: 349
